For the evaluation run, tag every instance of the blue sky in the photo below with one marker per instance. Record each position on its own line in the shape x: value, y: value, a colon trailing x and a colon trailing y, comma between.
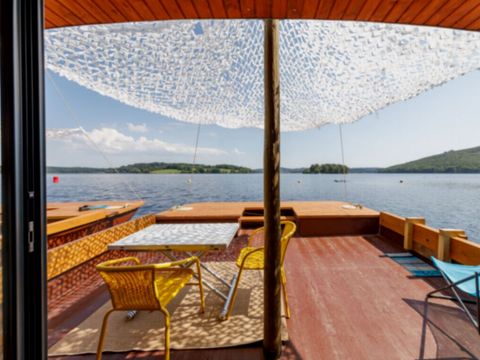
x: 445, y: 118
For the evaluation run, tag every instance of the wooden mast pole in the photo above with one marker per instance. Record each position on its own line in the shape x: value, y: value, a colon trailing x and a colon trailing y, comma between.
x: 272, y: 343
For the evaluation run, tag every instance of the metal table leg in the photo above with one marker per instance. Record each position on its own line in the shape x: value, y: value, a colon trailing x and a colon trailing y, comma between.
x: 223, y: 314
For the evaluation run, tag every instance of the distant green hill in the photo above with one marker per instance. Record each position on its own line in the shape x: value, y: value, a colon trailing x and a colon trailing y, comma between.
x: 453, y: 161
x: 155, y: 168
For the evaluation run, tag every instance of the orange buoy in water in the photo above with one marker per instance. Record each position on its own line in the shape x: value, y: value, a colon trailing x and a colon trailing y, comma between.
x: 56, y: 179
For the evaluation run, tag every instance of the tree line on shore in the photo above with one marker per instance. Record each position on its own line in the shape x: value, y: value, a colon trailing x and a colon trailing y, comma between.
x: 327, y: 169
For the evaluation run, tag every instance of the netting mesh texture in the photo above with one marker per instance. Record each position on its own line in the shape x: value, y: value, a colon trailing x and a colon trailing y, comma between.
x: 212, y: 71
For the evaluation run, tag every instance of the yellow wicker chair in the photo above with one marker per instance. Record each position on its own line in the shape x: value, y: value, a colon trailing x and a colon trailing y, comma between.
x: 252, y: 258
x: 146, y: 287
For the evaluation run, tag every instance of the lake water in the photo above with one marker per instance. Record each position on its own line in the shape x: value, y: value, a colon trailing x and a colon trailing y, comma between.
x: 445, y: 200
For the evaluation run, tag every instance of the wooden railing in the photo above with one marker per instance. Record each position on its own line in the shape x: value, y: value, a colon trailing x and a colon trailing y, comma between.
x: 445, y: 244
x: 392, y: 222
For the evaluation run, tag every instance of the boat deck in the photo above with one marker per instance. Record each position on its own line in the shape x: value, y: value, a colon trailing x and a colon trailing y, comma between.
x: 66, y: 215
x: 313, y: 218
x: 348, y: 301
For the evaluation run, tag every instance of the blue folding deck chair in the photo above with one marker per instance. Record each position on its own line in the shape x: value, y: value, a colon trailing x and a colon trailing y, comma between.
x: 464, y: 278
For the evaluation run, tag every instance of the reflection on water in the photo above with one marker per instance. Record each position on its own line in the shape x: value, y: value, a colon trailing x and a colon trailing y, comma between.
x: 445, y: 200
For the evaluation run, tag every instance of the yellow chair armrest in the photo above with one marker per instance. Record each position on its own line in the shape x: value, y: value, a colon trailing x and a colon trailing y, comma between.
x: 192, y: 259
x: 110, y: 263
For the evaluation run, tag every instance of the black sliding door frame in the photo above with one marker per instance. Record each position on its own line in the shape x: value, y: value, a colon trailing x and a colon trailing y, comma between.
x: 23, y: 180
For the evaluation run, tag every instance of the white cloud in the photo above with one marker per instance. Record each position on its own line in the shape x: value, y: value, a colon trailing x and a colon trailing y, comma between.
x: 238, y: 152
x: 137, y: 127
x: 113, y: 141
x: 64, y: 133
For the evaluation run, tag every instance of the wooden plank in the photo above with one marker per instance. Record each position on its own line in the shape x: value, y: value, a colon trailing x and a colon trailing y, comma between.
x: 392, y: 222
x: 428, y: 11
x: 444, y: 241
x: 338, y: 9
x: 64, y: 216
x: 368, y: 10
x: 107, y: 8
x: 415, y: 8
x: 203, y: 8
x: 272, y: 342
x: 465, y: 8
x: 464, y: 251
x: 263, y: 10
x: 399, y: 8
x: 426, y: 236
x: 99, y: 11
x: 294, y: 9
x: 247, y: 8
x: 218, y: 9
x: 232, y: 8
x: 172, y: 9
x: 382, y: 11
x: 55, y: 19
x: 73, y: 222
x: 188, y: 9
x: 337, y: 226
x: 475, y: 26
x: 444, y: 12
x: 310, y: 9
x: 48, y: 24
x: 469, y: 18
x: 408, y: 232
x: 66, y: 12
x: 279, y: 9
x: 157, y: 9
x: 353, y: 9
x: 75, y: 253
x: 324, y: 9
x: 325, y: 258
x: 232, y: 211
x: 142, y: 8
x: 83, y: 12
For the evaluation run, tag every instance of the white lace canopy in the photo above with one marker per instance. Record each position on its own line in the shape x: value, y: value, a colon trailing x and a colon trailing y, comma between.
x: 212, y: 71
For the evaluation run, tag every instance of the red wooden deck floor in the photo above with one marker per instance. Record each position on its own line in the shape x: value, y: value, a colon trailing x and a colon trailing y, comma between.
x: 348, y: 301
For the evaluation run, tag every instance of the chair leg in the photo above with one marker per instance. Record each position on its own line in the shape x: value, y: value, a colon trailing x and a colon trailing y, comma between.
x: 102, y: 334
x: 285, y: 296
x: 234, y: 295
x: 167, y: 333
x: 200, y: 285
x: 477, y: 301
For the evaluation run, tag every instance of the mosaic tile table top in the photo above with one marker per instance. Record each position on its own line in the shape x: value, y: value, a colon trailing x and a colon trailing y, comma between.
x: 179, y: 237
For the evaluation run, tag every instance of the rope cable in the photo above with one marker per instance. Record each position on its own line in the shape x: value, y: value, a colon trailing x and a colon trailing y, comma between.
x: 199, y: 125
x: 197, y: 137
x: 87, y: 136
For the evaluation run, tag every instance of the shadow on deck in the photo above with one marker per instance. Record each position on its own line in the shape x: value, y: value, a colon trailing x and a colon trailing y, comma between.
x: 348, y: 301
